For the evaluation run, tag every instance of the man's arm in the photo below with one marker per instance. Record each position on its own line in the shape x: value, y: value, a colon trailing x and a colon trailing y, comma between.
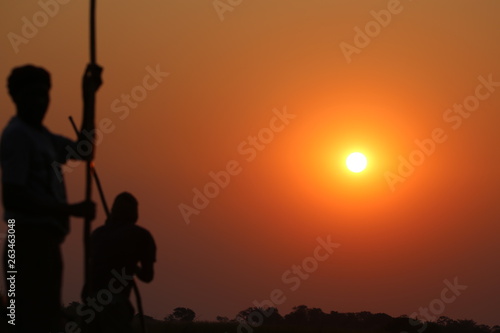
x: 17, y: 195
x: 19, y: 198
x: 91, y: 82
x: 146, y: 271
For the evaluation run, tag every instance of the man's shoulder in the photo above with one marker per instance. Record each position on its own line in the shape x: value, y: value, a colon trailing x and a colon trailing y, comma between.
x: 16, y: 137
x: 131, y: 230
x: 18, y: 130
x: 140, y: 235
x: 102, y: 233
x: 15, y: 127
x: 140, y: 231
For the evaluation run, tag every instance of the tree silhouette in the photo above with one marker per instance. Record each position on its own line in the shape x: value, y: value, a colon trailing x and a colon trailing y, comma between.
x: 181, y: 314
x: 299, y: 315
x: 259, y: 316
x: 302, y: 315
x: 222, y: 319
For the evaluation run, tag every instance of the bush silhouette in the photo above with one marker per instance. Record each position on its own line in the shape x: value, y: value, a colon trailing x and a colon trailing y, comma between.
x: 181, y: 314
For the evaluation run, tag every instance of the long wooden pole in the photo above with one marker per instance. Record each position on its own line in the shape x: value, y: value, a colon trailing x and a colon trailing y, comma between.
x: 89, y: 120
x: 92, y: 33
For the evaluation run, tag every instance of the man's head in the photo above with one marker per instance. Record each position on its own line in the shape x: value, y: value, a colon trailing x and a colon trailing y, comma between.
x: 29, y: 88
x: 125, y: 209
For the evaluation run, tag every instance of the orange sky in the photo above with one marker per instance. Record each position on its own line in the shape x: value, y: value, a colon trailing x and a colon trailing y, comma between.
x: 227, y: 81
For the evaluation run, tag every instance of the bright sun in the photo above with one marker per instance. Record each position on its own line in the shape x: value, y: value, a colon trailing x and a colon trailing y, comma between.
x: 356, y: 162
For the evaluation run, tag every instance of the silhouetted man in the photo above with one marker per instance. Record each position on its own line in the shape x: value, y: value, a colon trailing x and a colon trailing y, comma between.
x: 34, y: 196
x: 119, y: 250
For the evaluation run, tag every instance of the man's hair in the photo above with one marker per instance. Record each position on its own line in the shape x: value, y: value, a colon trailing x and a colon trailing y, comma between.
x: 26, y: 75
x: 124, y: 209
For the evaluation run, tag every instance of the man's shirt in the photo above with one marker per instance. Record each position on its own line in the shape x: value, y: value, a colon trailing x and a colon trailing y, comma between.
x: 31, y: 157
